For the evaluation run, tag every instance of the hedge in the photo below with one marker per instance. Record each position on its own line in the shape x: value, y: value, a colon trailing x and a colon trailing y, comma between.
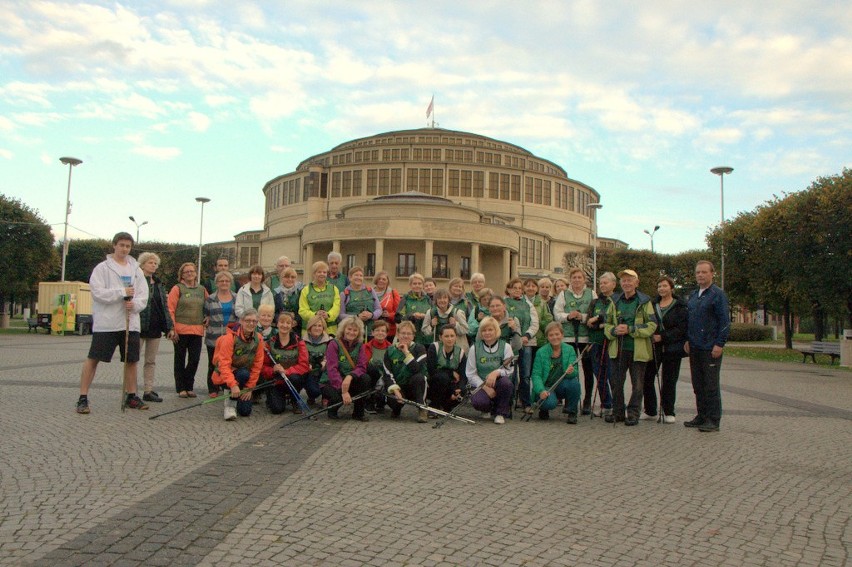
x: 747, y: 332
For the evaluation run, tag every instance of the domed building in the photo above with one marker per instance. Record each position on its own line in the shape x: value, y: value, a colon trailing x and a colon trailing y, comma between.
x: 439, y: 202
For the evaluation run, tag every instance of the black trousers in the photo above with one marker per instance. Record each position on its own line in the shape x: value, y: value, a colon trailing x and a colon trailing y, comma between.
x: 359, y: 384
x: 414, y: 389
x: 669, y: 373
x: 705, y: 383
x: 588, y: 372
x: 187, y: 356
x: 442, y: 386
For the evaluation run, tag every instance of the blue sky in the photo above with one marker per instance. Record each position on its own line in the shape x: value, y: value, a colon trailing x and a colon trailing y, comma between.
x: 165, y: 101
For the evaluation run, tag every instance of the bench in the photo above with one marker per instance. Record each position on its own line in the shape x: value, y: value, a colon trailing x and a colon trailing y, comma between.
x: 32, y: 324
x: 821, y: 347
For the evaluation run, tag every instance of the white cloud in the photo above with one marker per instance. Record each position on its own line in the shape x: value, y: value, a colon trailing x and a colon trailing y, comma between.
x: 220, y: 100
x: 4, y: 153
x: 6, y: 125
x: 198, y: 122
x: 160, y: 153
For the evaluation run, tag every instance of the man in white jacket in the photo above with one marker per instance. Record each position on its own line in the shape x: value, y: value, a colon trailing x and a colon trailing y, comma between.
x: 119, y: 293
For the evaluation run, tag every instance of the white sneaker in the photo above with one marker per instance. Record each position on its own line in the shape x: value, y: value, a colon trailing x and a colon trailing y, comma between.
x: 499, y: 420
x: 486, y: 415
x: 669, y: 419
x: 230, y: 409
x: 647, y: 417
x: 597, y: 412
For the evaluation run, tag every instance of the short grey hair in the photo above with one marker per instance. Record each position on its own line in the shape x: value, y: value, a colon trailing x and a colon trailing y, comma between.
x: 145, y: 256
x: 335, y: 256
x: 608, y: 276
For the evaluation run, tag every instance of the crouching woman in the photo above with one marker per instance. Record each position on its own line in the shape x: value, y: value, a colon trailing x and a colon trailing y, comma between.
x: 287, y: 356
x: 238, y: 359
x: 489, y: 364
x: 346, y: 368
x: 552, y: 362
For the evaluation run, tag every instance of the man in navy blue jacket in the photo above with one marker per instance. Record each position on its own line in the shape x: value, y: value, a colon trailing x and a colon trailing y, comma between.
x: 709, y: 326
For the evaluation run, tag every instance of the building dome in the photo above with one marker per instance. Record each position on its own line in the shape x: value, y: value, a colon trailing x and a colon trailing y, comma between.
x: 441, y: 202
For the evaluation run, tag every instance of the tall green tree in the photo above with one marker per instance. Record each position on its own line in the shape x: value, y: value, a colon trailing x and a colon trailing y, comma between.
x: 26, y: 250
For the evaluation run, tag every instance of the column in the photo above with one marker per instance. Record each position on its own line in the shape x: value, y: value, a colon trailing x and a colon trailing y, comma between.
x: 380, y: 256
x: 335, y: 246
x: 426, y: 268
x: 507, y: 265
x: 474, y: 257
x: 308, y: 261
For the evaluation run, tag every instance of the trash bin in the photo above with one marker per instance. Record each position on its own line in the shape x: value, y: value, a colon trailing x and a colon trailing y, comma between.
x: 846, y: 348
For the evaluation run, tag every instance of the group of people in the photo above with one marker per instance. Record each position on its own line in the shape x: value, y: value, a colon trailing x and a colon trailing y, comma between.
x: 345, y: 342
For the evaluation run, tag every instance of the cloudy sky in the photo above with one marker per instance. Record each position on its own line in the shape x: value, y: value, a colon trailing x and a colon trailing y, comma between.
x: 165, y: 101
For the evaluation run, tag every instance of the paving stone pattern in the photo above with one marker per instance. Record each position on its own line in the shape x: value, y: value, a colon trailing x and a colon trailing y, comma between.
x: 772, y: 488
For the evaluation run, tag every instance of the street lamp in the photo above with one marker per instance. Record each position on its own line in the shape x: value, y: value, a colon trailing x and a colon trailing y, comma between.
x: 595, y: 207
x: 70, y: 162
x: 138, y: 226
x: 651, y: 234
x: 721, y: 171
x: 201, y: 200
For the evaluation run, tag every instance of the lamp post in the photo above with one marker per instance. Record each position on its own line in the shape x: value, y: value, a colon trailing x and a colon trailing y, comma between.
x: 595, y: 207
x: 721, y: 171
x: 70, y: 162
x: 201, y: 200
x: 138, y: 226
x: 651, y: 234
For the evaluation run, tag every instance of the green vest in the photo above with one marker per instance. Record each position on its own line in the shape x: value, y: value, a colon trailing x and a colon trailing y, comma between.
x: 598, y: 309
x: 316, y: 354
x: 285, y: 356
x: 396, y: 365
x: 453, y: 361
x: 625, y: 312
x: 339, y: 281
x: 190, y: 305
x: 377, y: 357
x: 291, y: 301
x: 581, y: 305
x: 320, y: 299
x: 342, y: 361
x: 359, y: 300
x: 411, y: 305
x: 520, y: 310
x: 244, y: 351
x: 506, y: 332
x: 487, y: 362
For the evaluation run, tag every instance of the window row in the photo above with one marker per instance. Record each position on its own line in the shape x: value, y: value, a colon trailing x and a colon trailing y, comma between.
x: 437, y: 155
x: 406, y: 265
x: 534, y: 253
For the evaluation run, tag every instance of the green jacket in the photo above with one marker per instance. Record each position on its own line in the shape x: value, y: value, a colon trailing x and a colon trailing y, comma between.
x: 544, y: 319
x: 541, y: 377
x: 642, y: 324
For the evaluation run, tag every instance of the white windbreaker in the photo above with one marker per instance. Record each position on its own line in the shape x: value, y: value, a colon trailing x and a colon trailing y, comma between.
x: 108, y: 311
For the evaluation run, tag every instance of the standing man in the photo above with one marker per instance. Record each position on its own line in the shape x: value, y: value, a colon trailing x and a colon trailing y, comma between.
x: 335, y: 277
x: 119, y: 293
x: 630, y: 322
x: 707, y: 333
x: 222, y: 265
x: 275, y: 279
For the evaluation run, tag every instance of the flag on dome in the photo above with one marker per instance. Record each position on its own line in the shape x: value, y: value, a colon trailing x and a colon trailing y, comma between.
x: 431, y: 107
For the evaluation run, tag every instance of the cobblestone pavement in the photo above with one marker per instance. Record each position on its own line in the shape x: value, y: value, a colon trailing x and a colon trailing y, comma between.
x: 772, y: 488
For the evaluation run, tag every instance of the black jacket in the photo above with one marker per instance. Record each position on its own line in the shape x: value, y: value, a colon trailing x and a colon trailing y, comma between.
x: 672, y: 328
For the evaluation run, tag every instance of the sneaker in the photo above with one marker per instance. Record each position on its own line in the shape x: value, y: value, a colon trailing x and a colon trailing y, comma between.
x: 609, y: 418
x: 669, y: 419
x: 422, y: 416
x: 696, y: 421
x: 332, y: 414
x: 571, y: 419
x: 485, y: 415
x: 499, y: 420
x: 135, y: 402
x: 587, y: 408
x: 708, y: 426
x: 230, y: 409
x: 597, y: 413
x: 83, y: 405
x: 361, y: 417
x: 649, y: 417
x: 370, y: 408
x: 543, y: 414
x: 151, y: 397
x: 528, y: 410
x: 631, y: 421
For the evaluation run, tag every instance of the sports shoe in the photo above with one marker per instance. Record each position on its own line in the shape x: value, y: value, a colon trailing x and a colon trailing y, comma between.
x: 83, y: 405
x: 360, y: 417
x: 649, y: 417
x: 422, y: 416
x: 597, y: 412
x: 485, y: 415
x: 631, y: 421
x: 230, y: 409
x: 587, y: 407
x: 135, y: 402
x: 332, y: 414
x: 609, y: 418
x: 151, y: 397
x: 499, y: 420
x: 571, y: 419
x: 708, y: 426
x: 528, y: 410
x: 669, y: 419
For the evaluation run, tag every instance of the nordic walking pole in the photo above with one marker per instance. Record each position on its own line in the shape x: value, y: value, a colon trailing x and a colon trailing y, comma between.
x: 297, y: 398
x: 313, y: 415
x: 124, y: 368
x: 506, y: 363
x: 213, y: 400
x: 418, y: 405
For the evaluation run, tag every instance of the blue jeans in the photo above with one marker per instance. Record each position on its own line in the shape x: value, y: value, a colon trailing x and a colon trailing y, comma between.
x: 602, y: 368
x: 568, y: 389
x: 242, y: 376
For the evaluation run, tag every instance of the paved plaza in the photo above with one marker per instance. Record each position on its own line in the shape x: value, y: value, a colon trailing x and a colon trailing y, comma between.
x: 772, y: 488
